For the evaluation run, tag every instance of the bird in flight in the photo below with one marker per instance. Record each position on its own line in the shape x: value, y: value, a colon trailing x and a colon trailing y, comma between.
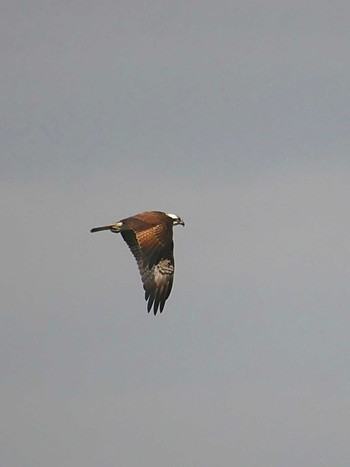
x: 149, y: 236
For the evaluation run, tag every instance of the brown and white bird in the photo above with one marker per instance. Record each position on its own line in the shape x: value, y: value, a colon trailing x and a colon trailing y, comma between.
x: 149, y: 236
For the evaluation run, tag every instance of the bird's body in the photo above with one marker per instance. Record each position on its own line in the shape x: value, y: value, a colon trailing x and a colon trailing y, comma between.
x: 149, y: 236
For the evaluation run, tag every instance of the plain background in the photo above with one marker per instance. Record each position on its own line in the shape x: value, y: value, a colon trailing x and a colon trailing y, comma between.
x: 235, y: 116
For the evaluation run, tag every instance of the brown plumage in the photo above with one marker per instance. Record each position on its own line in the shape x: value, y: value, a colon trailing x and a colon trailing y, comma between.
x: 149, y: 236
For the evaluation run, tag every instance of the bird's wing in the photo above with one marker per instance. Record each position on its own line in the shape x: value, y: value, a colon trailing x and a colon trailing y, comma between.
x: 153, y: 251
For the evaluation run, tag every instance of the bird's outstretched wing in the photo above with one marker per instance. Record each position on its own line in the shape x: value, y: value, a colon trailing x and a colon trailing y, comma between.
x: 152, y: 247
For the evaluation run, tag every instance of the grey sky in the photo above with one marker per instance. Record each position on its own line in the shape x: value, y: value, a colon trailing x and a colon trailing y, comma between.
x: 234, y: 115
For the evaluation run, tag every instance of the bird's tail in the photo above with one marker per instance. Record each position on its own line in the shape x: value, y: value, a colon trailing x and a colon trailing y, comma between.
x: 115, y: 228
x: 105, y: 227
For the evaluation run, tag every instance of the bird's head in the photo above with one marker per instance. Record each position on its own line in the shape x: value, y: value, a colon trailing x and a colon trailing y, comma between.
x: 176, y: 219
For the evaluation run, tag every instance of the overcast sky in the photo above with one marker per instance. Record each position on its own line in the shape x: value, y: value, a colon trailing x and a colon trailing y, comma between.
x: 235, y: 116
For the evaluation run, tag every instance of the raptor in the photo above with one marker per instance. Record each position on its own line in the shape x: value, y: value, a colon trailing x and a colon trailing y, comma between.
x: 149, y: 236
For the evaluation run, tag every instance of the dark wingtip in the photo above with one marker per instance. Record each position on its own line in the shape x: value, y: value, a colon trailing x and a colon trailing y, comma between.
x: 149, y: 304
x: 155, y: 304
